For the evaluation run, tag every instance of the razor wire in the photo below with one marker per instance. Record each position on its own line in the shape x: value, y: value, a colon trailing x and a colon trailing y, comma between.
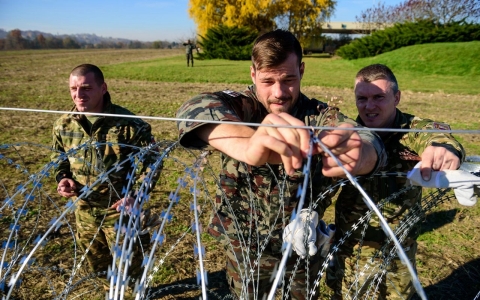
x: 20, y: 247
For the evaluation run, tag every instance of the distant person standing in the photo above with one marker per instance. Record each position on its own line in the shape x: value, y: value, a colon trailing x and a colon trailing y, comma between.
x: 189, y: 46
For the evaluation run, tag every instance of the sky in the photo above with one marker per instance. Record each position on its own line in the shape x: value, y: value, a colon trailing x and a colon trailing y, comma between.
x: 143, y: 20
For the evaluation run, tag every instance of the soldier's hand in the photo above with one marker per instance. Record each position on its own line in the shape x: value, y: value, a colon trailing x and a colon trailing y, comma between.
x: 437, y: 159
x: 279, y: 144
x: 67, y: 188
x: 357, y: 157
x: 128, y: 202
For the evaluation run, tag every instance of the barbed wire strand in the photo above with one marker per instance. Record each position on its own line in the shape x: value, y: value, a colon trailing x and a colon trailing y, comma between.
x: 458, y: 131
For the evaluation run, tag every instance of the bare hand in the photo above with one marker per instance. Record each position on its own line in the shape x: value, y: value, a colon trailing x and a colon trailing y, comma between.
x: 67, y: 188
x: 357, y: 157
x: 128, y: 202
x: 279, y: 144
x: 437, y: 158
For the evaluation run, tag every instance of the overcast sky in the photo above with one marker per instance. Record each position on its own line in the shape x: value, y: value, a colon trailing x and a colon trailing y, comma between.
x: 144, y: 20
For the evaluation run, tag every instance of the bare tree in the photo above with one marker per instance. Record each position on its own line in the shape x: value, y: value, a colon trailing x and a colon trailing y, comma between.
x: 440, y: 11
x: 447, y: 11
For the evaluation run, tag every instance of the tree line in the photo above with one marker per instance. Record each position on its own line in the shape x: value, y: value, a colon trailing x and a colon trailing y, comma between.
x: 15, y: 41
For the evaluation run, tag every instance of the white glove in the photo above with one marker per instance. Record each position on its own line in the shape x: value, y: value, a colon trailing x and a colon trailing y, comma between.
x: 298, y: 230
x: 462, y: 183
x: 325, y: 237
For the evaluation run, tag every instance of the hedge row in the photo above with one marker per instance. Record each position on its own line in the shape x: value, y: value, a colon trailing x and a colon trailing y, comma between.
x: 407, y: 34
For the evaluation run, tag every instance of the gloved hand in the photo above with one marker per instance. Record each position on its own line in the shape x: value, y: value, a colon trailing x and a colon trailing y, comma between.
x: 462, y: 182
x: 324, y: 237
x: 304, y: 226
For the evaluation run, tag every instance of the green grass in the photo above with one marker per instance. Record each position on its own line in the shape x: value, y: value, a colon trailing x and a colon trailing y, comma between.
x: 174, y: 69
x: 442, y: 67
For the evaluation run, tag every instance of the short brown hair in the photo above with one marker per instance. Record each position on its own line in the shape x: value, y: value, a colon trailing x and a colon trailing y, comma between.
x: 376, y: 72
x: 84, y: 69
x: 273, y: 48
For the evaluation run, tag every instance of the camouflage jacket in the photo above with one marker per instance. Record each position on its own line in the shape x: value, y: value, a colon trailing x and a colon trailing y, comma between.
x: 109, y: 142
x: 403, y: 151
x: 253, y: 204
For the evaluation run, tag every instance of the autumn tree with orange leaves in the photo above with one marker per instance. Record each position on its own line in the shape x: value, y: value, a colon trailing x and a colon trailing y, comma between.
x: 302, y: 17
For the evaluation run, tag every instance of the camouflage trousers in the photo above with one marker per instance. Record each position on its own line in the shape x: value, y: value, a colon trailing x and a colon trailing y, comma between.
x: 248, y: 280
x: 368, y: 274
x: 96, y: 232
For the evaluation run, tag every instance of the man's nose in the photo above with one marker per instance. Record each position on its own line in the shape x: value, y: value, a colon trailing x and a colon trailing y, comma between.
x: 79, y: 93
x: 370, y: 104
x: 279, y: 90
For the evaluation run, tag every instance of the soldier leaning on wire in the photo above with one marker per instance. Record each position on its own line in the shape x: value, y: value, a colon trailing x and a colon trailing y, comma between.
x: 377, y: 96
x: 104, y: 141
x: 261, y: 166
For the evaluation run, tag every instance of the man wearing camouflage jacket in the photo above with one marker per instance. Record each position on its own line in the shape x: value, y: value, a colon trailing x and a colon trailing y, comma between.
x: 94, y: 145
x: 260, y: 173
x: 377, y: 96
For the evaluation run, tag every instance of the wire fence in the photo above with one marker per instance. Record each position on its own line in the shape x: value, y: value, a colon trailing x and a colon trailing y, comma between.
x: 40, y: 255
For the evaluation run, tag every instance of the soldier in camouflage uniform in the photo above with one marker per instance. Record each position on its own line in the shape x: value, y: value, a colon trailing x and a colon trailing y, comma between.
x: 260, y: 177
x: 189, y: 46
x: 377, y: 96
x: 117, y: 138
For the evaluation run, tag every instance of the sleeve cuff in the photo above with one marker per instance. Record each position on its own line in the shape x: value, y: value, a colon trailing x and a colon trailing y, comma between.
x: 376, y: 141
x: 62, y: 175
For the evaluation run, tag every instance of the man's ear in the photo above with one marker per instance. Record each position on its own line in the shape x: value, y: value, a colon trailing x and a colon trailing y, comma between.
x: 252, y: 74
x: 397, y: 97
x: 104, y: 88
x: 302, y: 69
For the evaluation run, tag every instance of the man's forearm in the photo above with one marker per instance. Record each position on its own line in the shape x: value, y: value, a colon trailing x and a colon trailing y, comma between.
x: 374, y: 155
x: 229, y: 139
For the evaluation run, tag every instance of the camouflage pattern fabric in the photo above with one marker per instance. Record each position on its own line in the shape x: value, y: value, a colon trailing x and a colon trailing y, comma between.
x: 95, y: 232
x: 253, y: 204
x: 110, y: 140
x: 70, y: 131
x: 404, y: 150
x: 259, y: 284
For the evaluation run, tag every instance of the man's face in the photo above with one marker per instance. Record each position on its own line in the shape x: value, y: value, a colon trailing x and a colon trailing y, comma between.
x: 278, y: 88
x: 376, y: 103
x: 86, y: 93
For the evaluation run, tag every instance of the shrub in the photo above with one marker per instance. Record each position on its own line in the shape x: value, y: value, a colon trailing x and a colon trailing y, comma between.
x: 233, y: 43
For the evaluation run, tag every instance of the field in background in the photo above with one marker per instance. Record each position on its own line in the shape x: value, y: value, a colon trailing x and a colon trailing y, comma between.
x: 156, y: 82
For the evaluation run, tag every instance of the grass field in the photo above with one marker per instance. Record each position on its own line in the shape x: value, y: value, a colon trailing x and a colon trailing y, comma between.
x: 437, y: 82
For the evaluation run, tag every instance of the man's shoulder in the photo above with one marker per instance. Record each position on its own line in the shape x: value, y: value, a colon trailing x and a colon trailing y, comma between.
x: 418, y: 122
x: 122, y: 112
x: 309, y: 107
x: 220, y: 100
